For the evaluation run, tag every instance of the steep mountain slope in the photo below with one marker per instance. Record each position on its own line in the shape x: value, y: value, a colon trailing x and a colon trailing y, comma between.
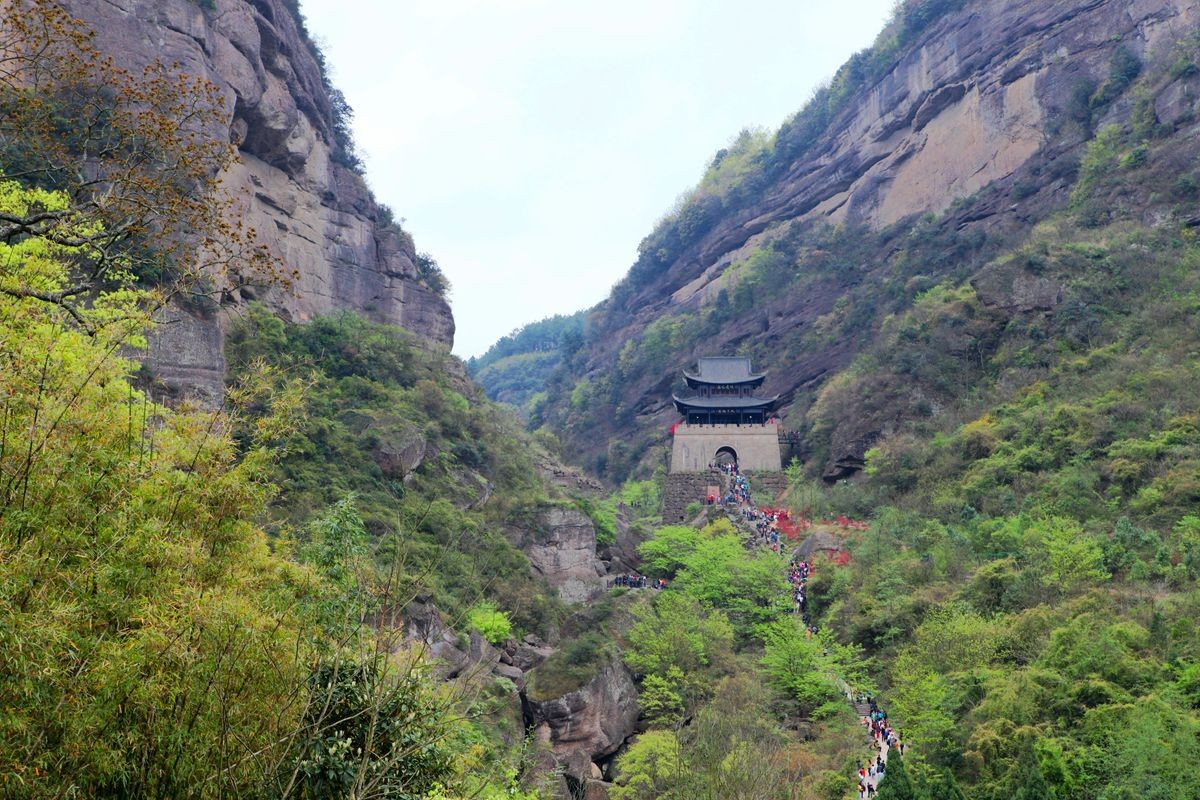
x: 1003, y: 382
x: 351, y: 492
x: 515, y: 368
x: 926, y: 158
x: 295, y: 181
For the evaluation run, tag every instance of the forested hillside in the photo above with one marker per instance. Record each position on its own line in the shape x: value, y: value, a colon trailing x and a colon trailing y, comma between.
x: 999, y: 376
x: 515, y: 369
x: 929, y: 160
x: 304, y: 592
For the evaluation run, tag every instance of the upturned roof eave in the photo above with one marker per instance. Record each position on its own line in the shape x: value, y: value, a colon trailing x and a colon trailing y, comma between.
x: 755, y: 379
x: 762, y: 403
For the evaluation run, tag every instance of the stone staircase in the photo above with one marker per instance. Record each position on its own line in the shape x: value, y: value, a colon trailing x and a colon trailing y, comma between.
x: 685, y: 488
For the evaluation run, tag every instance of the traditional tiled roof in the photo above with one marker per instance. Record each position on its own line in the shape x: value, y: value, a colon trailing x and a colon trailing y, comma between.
x: 724, y: 370
x: 739, y: 403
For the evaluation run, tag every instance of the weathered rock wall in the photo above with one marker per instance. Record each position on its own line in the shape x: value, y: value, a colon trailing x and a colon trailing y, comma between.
x: 314, y: 213
x: 969, y: 105
x: 589, y: 725
x: 985, y: 97
x: 562, y: 549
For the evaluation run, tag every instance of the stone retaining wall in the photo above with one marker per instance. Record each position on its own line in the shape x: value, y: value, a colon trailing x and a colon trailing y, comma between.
x: 682, y: 490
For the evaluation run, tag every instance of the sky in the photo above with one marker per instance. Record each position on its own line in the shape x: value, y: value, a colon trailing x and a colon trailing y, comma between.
x: 529, y: 145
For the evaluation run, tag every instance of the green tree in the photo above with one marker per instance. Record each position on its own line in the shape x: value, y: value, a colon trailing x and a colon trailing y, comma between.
x: 945, y: 787
x: 1030, y: 783
x: 801, y: 668
x: 337, y: 548
x: 651, y: 767
x: 1073, y: 559
x: 491, y: 622
x: 748, y: 586
x: 369, y: 731
x: 676, y: 631
x: 661, y: 697
x: 149, y: 640
x: 895, y: 785
x: 952, y: 638
x: 733, y: 748
x: 1154, y: 750
x: 922, y: 699
x: 666, y: 551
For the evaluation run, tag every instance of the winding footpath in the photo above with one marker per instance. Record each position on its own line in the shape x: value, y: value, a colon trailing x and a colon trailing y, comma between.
x: 762, y: 533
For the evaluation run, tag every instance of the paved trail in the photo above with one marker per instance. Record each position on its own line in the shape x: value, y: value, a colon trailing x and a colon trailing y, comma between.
x: 868, y: 783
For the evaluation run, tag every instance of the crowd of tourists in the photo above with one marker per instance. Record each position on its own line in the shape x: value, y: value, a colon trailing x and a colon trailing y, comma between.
x: 739, y: 489
x: 764, y: 526
x: 798, y: 572
x: 635, y: 581
x: 884, y: 738
x: 764, y: 523
x: 881, y: 731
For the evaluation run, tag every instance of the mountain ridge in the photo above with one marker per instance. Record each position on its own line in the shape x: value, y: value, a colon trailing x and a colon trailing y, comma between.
x: 893, y: 114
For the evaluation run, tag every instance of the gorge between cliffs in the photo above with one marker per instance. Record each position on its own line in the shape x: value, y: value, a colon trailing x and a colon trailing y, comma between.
x: 876, y: 474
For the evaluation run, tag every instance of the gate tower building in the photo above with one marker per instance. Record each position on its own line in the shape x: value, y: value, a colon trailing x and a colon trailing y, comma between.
x: 725, y: 420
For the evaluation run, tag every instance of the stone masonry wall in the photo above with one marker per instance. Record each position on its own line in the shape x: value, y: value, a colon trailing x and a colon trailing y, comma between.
x: 695, y: 446
x: 682, y: 490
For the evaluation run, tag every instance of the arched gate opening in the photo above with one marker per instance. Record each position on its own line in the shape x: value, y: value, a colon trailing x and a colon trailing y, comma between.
x: 725, y: 457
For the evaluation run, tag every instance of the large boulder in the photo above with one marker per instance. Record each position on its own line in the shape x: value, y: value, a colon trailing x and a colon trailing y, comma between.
x: 822, y: 540
x: 530, y: 652
x: 590, y: 724
x: 425, y: 628
x: 1009, y: 287
x: 398, y: 446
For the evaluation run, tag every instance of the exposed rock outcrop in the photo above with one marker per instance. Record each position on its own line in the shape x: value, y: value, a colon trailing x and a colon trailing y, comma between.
x: 823, y: 541
x: 455, y: 653
x: 622, y: 556
x: 399, y: 446
x: 1016, y: 290
x: 563, y: 550
x: 969, y: 105
x: 569, y: 478
x: 590, y: 724
x: 313, y: 212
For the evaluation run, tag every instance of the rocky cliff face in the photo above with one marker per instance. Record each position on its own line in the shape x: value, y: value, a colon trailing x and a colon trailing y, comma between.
x: 562, y: 549
x: 589, y: 725
x: 316, y: 214
x: 970, y: 135
x: 972, y: 103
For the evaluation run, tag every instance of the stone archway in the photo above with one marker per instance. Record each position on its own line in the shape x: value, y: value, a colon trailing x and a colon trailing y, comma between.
x: 726, y: 456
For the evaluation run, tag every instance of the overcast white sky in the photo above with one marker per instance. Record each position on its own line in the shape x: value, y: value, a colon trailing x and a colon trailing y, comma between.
x: 531, y: 144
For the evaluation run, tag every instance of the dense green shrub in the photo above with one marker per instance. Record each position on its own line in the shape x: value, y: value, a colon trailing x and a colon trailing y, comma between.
x: 373, y: 394
x: 491, y: 622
